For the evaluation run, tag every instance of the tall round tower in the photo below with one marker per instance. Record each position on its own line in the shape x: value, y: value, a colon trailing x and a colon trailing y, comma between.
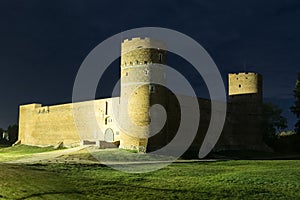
x: 141, y: 64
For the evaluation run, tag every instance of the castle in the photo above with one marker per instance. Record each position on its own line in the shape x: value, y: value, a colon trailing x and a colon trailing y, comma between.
x: 140, y: 62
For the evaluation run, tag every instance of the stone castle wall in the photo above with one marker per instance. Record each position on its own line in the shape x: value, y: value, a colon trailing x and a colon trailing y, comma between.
x: 67, y: 123
x: 116, y: 119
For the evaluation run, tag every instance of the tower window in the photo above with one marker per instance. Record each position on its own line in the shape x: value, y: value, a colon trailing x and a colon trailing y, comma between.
x: 240, y: 86
x: 160, y: 56
x: 145, y: 62
x: 126, y: 74
x: 146, y: 71
x: 106, y: 107
x: 151, y: 88
x: 137, y: 62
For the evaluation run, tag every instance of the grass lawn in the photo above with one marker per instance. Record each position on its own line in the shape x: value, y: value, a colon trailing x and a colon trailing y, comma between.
x: 279, y: 179
x: 20, y: 151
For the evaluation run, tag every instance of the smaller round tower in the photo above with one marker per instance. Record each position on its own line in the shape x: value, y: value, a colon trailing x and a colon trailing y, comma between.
x: 142, y: 64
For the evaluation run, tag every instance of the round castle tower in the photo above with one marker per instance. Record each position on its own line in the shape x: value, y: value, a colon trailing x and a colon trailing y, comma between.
x: 141, y: 63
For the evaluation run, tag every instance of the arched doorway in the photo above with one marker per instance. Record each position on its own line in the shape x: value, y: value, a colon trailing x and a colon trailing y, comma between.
x: 109, y: 135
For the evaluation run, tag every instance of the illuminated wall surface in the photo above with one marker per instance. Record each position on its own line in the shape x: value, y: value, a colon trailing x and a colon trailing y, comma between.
x: 141, y: 62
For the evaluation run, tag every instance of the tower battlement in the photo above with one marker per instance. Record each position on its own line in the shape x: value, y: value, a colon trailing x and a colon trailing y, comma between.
x: 244, y: 83
x: 138, y: 51
x: 135, y: 43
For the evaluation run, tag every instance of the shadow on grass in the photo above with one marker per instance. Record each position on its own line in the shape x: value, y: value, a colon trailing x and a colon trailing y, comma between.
x: 72, y: 194
x: 253, y: 155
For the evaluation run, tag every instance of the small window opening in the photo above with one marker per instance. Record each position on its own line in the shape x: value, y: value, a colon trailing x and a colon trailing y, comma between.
x: 240, y: 86
x: 146, y: 72
x: 106, y: 108
x: 160, y: 56
x: 151, y: 88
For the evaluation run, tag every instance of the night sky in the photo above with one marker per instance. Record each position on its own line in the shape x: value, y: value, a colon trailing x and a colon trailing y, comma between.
x: 43, y: 43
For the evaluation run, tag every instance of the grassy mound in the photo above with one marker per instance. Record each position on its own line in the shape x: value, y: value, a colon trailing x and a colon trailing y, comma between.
x: 19, y: 151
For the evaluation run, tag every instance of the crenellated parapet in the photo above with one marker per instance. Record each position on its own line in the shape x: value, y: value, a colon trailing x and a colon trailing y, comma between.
x: 141, y: 51
x: 245, y: 83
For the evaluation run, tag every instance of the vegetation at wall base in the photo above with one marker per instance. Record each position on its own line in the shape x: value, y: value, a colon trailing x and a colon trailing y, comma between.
x: 287, y: 144
x: 296, y: 107
x: 11, y: 133
x: 272, y: 122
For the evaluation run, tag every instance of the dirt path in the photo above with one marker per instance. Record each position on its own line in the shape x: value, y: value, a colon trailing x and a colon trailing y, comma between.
x: 82, y: 155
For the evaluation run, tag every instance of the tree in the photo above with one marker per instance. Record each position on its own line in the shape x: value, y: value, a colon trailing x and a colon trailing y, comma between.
x: 273, y: 121
x: 12, y: 133
x: 1, y: 136
x: 296, y: 108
